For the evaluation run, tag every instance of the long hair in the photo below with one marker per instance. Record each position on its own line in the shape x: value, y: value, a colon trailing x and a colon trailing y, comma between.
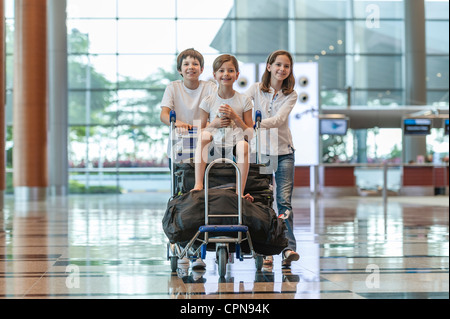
x: 288, y: 84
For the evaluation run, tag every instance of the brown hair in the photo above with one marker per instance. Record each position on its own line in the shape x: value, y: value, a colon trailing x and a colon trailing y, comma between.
x: 189, y: 53
x: 288, y: 84
x: 221, y: 59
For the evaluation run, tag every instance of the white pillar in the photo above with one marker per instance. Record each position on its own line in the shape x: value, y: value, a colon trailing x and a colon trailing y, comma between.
x: 415, y: 71
x: 57, y: 97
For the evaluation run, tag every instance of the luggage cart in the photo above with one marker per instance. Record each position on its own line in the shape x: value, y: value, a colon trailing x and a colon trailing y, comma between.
x: 222, y: 243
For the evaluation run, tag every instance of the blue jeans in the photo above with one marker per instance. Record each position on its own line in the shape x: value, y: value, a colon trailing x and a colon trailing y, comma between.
x: 284, y: 178
x: 284, y: 167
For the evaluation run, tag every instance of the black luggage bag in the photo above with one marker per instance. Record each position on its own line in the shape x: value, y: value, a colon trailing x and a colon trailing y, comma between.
x: 223, y: 175
x: 186, y: 213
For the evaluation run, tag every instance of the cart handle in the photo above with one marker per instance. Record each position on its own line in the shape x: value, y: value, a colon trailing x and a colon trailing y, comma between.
x: 173, y: 116
x: 258, y: 118
x: 238, y: 185
x: 173, y: 119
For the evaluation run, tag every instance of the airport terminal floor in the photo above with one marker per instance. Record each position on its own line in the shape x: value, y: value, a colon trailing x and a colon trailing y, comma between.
x: 114, y: 247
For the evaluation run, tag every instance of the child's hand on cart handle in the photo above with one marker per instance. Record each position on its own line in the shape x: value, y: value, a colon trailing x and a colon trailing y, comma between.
x: 182, y: 128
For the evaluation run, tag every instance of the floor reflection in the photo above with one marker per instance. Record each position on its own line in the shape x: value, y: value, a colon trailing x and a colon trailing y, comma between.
x: 199, y: 283
x: 118, y: 249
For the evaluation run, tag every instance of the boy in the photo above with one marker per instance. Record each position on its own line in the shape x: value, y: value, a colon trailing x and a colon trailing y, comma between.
x: 184, y: 96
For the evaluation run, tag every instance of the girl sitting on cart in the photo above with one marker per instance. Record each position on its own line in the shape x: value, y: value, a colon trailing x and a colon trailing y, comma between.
x: 230, y: 123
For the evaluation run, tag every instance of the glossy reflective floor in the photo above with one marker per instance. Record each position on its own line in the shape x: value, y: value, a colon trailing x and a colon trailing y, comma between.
x: 114, y: 247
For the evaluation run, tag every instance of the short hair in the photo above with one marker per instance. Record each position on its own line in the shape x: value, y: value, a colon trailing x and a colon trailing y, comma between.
x: 221, y: 59
x: 190, y: 53
x: 288, y: 84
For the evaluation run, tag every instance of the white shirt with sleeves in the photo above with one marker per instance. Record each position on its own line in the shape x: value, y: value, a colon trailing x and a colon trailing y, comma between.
x: 275, y: 111
x: 240, y: 103
x: 185, y: 101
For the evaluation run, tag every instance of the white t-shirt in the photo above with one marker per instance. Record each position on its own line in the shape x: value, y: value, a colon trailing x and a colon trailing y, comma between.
x: 276, y: 138
x: 185, y: 101
x: 240, y: 103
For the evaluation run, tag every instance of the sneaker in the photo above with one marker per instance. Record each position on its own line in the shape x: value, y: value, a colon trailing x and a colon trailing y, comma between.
x: 288, y: 257
x: 183, y: 262
x: 268, y: 261
x: 183, y: 267
x: 198, y: 264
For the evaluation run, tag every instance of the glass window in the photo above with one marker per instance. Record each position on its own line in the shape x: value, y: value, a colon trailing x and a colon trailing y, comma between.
x: 122, y: 55
x: 435, y: 9
x: 9, y: 9
x: 318, y: 37
x: 139, y: 106
x: 322, y: 9
x: 437, y: 47
x: 9, y: 74
x: 382, y: 9
x: 387, y: 38
x: 222, y: 40
x: 188, y: 34
x: 260, y: 36
x: 141, y: 143
x: 262, y: 9
x: 146, y: 71
x: 333, y: 97
x: 92, y: 107
x: 146, y: 9
x: 146, y: 36
x: 91, y: 146
x: 92, y: 71
x: 437, y: 72
x: 204, y: 9
x: 9, y: 35
x: 378, y: 72
x: 437, y: 97
x: 332, y: 73
x: 378, y: 97
x: 437, y: 37
x: 9, y: 108
x: 91, y: 9
x: 92, y: 36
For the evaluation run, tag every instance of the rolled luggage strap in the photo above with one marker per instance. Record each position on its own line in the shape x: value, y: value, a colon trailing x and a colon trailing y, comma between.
x: 223, y: 228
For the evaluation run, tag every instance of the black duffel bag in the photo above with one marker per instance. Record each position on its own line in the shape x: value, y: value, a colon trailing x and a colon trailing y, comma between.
x: 258, y: 184
x: 186, y: 213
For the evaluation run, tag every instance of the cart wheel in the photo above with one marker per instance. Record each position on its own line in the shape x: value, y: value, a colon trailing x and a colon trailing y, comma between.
x: 173, y: 263
x: 171, y: 255
x: 222, y: 257
x: 259, y: 262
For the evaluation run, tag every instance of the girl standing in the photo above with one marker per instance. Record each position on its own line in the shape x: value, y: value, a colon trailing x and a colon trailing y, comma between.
x: 275, y: 97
